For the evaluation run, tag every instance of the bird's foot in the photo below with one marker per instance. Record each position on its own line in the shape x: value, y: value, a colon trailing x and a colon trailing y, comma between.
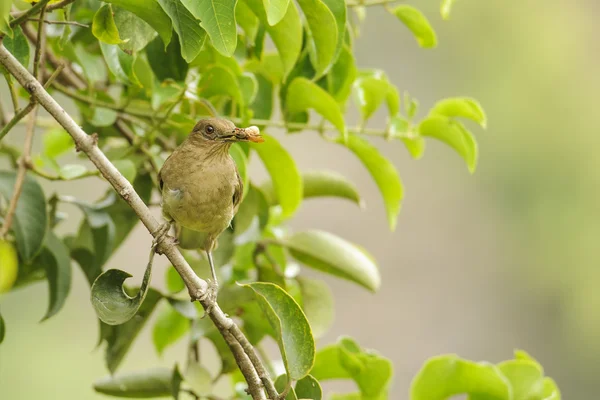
x: 209, y: 298
x: 161, y: 233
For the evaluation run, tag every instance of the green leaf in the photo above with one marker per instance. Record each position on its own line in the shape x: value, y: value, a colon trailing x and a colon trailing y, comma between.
x: 120, y: 64
x: 113, y: 306
x: 283, y: 171
x: 151, y: 383
x: 303, y: 94
x: 18, y: 46
x: 371, y: 372
x: 104, y: 27
x: 151, y: 12
x: 400, y: 128
x: 454, y: 134
x: 176, y: 380
x: 292, y: 330
x: 460, y: 107
x: 526, y: 378
x: 448, y: 375
x: 320, y: 183
x: 342, y: 76
x: 72, y: 171
x: 127, y: 168
x: 241, y: 162
x: 191, y: 35
x: 370, y: 92
x: 262, y: 106
x: 383, y: 172
x: 248, y: 86
x: 134, y: 31
x: 339, y: 11
x: 170, y: 326
x: 551, y: 391
x: 247, y: 21
x: 281, y: 383
x: 275, y: 10
x: 254, y: 205
x: 285, y: 34
x: 445, y: 8
x: 119, y: 338
x: 218, y: 20
x: 199, y: 379
x: 57, y: 262
x: 173, y: 280
x: 392, y: 99
x: 57, y: 142
x: 323, y: 32
x: 418, y: 25
x: 30, y: 220
x: 333, y: 255
x: 167, y: 64
x: 4, y: 17
x: 2, y: 329
x: 220, y: 81
x: 317, y: 303
x: 309, y: 388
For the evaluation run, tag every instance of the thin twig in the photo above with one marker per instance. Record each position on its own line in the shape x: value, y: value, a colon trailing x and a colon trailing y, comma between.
x: 18, y: 117
x: 14, y: 96
x: 368, y: 3
x: 4, y: 118
x: 62, y: 4
x: 50, y: 22
x: 24, y: 16
x: 51, y: 177
x: 40, y: 46
x: 197, y: 287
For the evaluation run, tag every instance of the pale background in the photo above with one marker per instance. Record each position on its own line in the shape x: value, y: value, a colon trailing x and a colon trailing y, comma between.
x: 479, y: 265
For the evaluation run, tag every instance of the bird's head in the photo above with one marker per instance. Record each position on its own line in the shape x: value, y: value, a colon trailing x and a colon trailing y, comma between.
x: 220, y: 130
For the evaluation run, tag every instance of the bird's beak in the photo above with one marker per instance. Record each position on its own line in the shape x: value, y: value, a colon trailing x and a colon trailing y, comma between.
x: 250, y: 134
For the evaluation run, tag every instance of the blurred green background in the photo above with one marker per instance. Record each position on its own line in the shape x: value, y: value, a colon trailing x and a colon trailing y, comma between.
x: 479, y: 265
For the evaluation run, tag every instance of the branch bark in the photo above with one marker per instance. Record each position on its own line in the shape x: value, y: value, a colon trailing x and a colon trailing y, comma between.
x: 196, y: 286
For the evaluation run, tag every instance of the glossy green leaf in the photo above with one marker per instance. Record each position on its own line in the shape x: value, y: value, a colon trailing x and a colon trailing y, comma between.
x: 199, y: 379
x: 92, y: 64
x: 320, y: 183
x: 280, y: 385
x: 551, y: 391
x: 292, y: 330
x: 401, y: 128
x: 219, y: 81
x: 460, y: 107
x: 247, y: 20
x: 339, y: 11
x: 57, y: 142
x: 191, y: 35
x: 134, y: 32
x: 18, y: 46
x: 173, y: 280
x: 333, y: 255
x: 448, y: 375
x: 392, y: 99
x: 170, y: 326
x: 323, y: 32
x: 454, y: 134
x: 342, y: 76
x: 303, y: 95
x: 151, y: 12
x: 526, y: 378
x: 283, y: 171
x: 30, y: 220
x: 317, y: 303
x: 371, y: 372
x: 120, y: 64
x: 112, y: 305
x: 309, y: 388
x: 151, y: 383
x: 72, y: 171
x: 218, y: 20
x: 57, y: 263
x: 119, y: 338
x: 383, y: 172
x: 127, y: 168
x: 286, y: 34
x: 445, y: 8
x: 167, y: 63
x: 104, y: 27
x: 2, y: 329
x: 4, y: 18
x: 418, y: 25
x: 370, y: 91
x: 345, y: 396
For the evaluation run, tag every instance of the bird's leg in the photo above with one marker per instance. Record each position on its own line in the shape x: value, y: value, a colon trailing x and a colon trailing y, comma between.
x: 161, y: 232
x: 210, y: 297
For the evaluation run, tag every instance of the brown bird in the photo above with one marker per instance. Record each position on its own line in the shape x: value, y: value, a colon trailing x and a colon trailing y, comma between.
x: 200, y: 184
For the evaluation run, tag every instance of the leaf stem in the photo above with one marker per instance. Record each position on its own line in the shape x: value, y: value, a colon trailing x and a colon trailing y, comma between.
x: 14, y: 96
x: 369, y: 3
x: 47, y: 21
x: 15, y: 119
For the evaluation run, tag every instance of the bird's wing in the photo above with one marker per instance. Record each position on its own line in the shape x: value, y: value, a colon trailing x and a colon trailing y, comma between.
x: 239, y: 189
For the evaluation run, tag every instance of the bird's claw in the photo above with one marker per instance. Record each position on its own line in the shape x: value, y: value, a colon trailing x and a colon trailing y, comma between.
x: 209, y: 298
x: 160, y: 233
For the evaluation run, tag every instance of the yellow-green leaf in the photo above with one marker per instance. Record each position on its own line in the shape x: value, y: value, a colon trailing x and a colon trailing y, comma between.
x: 104, y: 27
x: 370, y: 90
x: 151, y: 12
x: 291, y: 328
x: 323, y: 34
x: 329, y: 253
x: 383, y: 172
x: 151, y: 383
x: 317, y: 303
x: 218, y: 20
x: 418, y: 25
x: 275, y: 10
x: 460, y: 107
x: 187, y: 27
x: 170, y: 326
x: 445, y: 8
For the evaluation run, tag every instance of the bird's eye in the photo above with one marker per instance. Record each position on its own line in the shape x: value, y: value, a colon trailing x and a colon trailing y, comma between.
x: 210, y: 129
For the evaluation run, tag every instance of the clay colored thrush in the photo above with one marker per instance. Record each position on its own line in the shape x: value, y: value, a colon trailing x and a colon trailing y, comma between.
x: 200, y: 184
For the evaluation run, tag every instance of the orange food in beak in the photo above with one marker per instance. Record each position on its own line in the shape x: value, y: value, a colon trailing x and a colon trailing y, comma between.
x: 254, y: 134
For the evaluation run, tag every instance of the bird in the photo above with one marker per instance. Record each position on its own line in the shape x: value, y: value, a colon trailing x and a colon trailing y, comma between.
x: 201, y: 187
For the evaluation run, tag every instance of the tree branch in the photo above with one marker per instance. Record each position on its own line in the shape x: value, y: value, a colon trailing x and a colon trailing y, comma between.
x: 36, y: 9
x: 62, y: 4
x: 47, y: 21
x: 196, y: 286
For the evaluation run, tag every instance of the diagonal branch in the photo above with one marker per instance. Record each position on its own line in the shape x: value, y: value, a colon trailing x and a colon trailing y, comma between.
x: 196, y: 286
